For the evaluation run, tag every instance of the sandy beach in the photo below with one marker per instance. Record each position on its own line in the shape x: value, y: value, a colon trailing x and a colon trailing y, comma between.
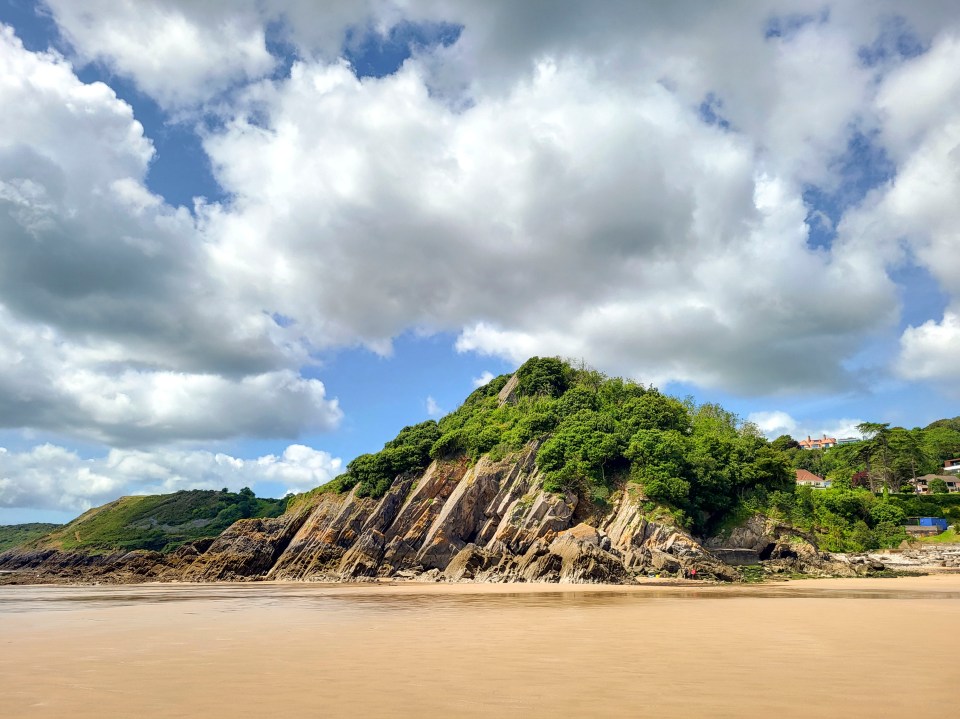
x: 852, y: 648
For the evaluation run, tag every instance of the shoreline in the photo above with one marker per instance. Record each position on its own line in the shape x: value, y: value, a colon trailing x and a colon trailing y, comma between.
x: 930, y: 579
x: 253, y: 649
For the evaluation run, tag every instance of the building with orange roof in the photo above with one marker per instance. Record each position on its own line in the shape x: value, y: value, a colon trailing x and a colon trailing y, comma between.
x: 809, y: 479
x: 822, y: 443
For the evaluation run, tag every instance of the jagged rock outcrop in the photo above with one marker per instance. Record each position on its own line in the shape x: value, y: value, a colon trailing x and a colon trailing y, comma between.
x: 72, y: 566
x: 488, y: 522
x: 247, y: 549
x: 770, y: 540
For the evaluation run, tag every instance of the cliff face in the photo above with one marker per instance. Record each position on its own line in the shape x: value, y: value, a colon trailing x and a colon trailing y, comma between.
x: 491, y: 521
x: 488, y: 522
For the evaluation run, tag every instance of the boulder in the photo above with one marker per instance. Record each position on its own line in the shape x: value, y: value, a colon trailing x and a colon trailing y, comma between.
x: 468, y: 563
x: 582, y: 560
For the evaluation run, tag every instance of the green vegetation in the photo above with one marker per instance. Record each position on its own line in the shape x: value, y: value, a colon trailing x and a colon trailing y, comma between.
x: 159, y: 522
x: 372, y: 474
x: 870, y: 495
x: 929, y: 505
x: 843, y: 519
x: 597, y: 434
x: 752, y: 574
x: 12, y: 535
x: 888, y: 459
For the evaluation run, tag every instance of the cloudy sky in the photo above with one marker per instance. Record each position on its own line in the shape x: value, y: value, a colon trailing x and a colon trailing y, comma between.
x: 242, y: 242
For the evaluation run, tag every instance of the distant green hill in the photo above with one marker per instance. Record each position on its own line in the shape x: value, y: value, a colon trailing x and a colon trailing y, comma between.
x: 159, y: 522
x: 13, y: 534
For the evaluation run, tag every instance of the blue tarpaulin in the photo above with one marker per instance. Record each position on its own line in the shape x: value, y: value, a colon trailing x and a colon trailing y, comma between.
x: 937, y: 522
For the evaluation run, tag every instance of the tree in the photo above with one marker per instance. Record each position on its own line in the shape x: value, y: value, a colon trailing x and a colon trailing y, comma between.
x: 653, y: 410
x: 785, y: 442
x: 940, y: 443
x: 938, y: 486
x: 842, y: 463
x: 886, y: 512
x: 810, y: 460
x: 875, y: 449
x: 908, y: 453
x: 543, y: 375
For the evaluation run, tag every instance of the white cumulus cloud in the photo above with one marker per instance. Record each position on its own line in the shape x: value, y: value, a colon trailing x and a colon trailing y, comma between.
x: 629, y: 183
x: 433, y: 409
x: 932, y: 350
x: 180, y: 53
x: 55, y: 478
x: 483, y: 379
x: 774, y: 423
x: 112, y: 327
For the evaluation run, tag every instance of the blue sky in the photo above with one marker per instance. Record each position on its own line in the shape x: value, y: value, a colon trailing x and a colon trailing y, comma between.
x: 246, y: 243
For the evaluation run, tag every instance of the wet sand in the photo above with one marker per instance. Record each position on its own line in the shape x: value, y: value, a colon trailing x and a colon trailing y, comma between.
x: 821, y: 648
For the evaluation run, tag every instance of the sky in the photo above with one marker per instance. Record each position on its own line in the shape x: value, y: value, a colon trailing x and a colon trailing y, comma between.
x: 242, y: 243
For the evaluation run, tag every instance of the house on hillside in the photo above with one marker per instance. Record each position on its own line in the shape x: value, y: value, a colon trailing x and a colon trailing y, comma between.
x: 921, y: 485
x: 824, y: 442
x: 952, y: 466
x: 809, y: 479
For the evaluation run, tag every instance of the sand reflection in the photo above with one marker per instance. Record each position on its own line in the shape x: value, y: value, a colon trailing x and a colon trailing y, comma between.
x: 811, y: 648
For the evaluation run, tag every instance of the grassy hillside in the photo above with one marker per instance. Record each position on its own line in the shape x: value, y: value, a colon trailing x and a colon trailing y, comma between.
x: 159, y: 522
x: 13, y: 534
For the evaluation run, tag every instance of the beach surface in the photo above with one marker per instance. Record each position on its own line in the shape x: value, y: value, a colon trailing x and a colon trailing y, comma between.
x: 850, y: 648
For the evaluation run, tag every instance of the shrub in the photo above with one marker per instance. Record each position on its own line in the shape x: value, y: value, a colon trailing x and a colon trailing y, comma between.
x: 548, y: 376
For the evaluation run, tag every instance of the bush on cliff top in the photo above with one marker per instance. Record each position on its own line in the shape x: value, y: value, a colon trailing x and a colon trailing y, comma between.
x: 372, y: 474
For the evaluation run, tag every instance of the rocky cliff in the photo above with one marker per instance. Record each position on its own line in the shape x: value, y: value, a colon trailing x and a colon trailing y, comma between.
x: 488, y: 521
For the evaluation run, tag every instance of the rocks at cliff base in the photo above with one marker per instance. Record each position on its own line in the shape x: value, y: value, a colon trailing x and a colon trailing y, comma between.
x: 778, y: 547
x: 468, y: 563
x: 782, y: 550
x: 75, y: 567
x: 248, y: 548
x: 582, y: 559
x: 488, y: 523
